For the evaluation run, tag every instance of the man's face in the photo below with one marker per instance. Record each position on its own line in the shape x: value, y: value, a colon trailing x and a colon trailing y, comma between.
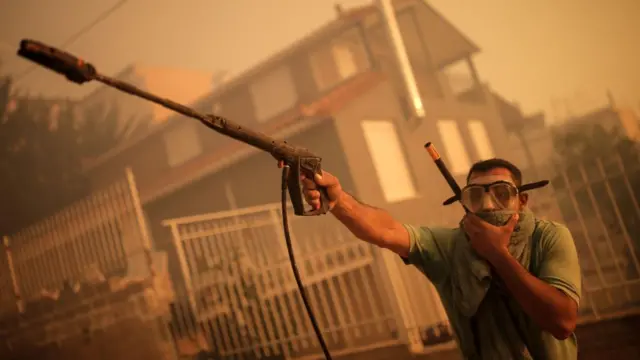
x: 499, y: 197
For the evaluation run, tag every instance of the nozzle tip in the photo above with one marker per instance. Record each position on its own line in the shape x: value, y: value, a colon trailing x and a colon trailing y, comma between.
x: 432, y: 151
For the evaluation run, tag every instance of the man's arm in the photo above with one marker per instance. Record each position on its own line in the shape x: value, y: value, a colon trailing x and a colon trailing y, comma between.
x: 551, y: 300
x: 372, y: 225
x: 367, y: 223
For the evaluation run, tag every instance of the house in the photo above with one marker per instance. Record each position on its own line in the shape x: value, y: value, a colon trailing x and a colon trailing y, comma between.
x: 337, y: 94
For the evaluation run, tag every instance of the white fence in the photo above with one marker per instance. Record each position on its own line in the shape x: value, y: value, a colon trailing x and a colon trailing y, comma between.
x: 101, y: 236
x: 9, y: 298
x: 239, y: 283
x: 423, y: 315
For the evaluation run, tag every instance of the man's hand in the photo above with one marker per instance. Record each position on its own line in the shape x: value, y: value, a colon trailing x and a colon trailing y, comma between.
x: 312, y: 195
x: 489, y: 241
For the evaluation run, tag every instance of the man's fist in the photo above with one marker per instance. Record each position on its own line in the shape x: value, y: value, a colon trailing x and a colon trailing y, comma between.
x: 488, y: 240
x: 312, y: 195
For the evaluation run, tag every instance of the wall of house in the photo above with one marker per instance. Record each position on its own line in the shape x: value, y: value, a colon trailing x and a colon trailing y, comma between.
x: 148, y: 159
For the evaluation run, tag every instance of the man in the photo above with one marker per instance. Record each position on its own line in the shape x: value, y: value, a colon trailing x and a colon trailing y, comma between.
x: 510, y: 283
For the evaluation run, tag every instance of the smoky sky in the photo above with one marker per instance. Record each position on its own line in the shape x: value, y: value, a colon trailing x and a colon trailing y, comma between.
x: 533, y: 52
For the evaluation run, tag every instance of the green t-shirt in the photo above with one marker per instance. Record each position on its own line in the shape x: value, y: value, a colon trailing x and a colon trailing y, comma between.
x: 554, y: 261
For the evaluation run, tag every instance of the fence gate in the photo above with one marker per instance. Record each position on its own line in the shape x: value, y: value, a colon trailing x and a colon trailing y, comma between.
x: 239, y: 294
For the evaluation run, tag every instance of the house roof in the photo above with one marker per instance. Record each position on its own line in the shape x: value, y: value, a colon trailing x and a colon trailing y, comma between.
x: 436, y: 24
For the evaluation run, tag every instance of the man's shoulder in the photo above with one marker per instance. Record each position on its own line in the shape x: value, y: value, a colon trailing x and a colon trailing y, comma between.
x: 552, y: 234
x: 433, y: 237
x: 431, y: 248
x: 549, y: 229
x: 438, y: 233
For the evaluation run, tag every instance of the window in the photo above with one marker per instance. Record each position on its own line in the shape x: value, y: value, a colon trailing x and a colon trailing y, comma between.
x: 454, y: 148
x: 389, y: 160
x: 459, y: 76
x: 182, y: 144
x: 339, y: 59
x: 273, y: 93
x: 345, y: 61
x: 481, y: 139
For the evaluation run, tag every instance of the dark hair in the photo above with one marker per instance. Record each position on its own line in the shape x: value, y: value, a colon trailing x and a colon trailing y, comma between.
x: 490, y: 164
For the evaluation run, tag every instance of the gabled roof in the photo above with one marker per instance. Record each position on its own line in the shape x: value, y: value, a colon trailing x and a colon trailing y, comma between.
x: 446, y: 43
x: 445, y: 49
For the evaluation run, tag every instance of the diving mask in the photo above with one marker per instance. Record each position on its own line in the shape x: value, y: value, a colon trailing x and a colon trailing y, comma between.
x: 494, y: 193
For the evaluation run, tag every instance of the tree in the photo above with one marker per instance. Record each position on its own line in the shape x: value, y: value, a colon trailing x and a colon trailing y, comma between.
x: 40, y: 170
x: 42, y: 145
x: 102, y: 129
x: 592, y: 141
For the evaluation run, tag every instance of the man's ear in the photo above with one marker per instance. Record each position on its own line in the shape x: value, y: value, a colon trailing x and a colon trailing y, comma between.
x: 524, y: 199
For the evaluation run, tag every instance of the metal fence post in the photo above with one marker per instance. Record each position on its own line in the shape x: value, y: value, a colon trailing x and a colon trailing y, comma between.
x: 12, y: 273
x: 142, y: 221
x: 184, y: 267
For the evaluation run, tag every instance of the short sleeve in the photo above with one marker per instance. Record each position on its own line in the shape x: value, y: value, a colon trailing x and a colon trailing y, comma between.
x: 559, y: 265
x: 430, y: 250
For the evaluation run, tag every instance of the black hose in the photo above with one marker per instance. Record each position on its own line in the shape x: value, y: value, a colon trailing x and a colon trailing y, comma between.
x: 294, y: 267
